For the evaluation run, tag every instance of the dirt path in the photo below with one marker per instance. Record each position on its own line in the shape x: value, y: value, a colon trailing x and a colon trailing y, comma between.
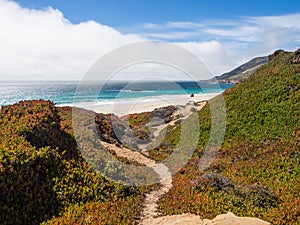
x: 151, y: 201
x: 129, y: 154
x: 149, y: 213
x: 182, y: 113
x: 150, y: 205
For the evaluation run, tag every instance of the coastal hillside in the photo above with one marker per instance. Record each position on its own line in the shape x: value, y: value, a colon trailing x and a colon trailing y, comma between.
x: 244, y: 71
x: 45, y: 180
x: 256, y: 172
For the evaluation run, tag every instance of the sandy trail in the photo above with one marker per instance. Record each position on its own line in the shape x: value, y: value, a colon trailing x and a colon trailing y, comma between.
x: 150, y: 205
x: 129, y: 154
x: 151, y: 201
x: 149, y: 213
x: 182, y: 113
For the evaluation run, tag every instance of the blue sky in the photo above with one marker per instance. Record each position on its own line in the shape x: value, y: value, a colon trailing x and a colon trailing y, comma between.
x: 61, y: 39
x: 127, y: 13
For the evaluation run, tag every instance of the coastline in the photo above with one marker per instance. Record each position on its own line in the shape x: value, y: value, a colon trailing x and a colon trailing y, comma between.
x: 121, y: 107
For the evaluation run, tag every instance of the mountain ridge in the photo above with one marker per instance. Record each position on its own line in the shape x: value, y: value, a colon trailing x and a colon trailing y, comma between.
x: 245, y: 70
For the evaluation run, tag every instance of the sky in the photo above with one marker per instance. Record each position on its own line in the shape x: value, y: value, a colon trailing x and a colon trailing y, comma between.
x: 43, y: 39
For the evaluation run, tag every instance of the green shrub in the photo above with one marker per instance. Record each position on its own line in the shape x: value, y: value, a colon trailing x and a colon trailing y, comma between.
x: 261, y: 149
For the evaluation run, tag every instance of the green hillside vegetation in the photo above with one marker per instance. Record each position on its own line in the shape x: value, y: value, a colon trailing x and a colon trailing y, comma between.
x: 256, y: 172
x: 42, y: 173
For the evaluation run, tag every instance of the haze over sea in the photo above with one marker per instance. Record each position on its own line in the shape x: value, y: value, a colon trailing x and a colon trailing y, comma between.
x: 63, y: 92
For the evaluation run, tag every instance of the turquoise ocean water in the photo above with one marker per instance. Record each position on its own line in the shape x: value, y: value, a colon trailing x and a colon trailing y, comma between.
x: 63, y: 92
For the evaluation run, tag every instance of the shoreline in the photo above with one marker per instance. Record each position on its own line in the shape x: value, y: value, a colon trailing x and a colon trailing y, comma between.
x: 121, y: 107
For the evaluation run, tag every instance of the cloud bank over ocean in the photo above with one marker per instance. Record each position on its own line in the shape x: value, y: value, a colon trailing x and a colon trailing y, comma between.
x: 43, y: 44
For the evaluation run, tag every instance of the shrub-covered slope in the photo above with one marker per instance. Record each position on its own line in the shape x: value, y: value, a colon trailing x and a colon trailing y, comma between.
x: 256, y: 172
x: 42, y: 173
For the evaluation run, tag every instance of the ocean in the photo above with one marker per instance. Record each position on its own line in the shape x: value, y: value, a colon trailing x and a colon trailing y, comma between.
x: 63, y: 92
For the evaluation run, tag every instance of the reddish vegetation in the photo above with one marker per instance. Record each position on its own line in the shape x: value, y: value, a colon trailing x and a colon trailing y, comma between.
x: 42, y: 172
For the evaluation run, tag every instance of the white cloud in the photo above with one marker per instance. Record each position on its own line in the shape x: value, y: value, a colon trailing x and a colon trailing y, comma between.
x: 170, y: 36
x: 151, y: 71
x: 215, y: 55
x: 281, y: 21
x: 245, y: 37
x: 43, y: 44
x: 244, y: 33
x: 184, y: 25
x: 151, y: 26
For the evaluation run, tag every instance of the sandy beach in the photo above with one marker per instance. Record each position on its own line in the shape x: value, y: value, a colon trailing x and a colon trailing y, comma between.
x: 121, y: 107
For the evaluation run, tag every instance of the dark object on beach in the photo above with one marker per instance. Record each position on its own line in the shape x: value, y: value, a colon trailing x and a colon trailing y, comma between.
x: 192, y: 95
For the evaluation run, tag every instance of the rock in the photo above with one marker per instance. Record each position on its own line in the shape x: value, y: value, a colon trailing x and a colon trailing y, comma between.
x: 165, y: 113
x: 253, y: 194
x: 156, y: 121
x: 107, y: 126
x: 231, y: 219
x: 296, y: 57
x: 113, y: 130
x: 218, y: 181
x: 190, y: 219
x: 275, y: 54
